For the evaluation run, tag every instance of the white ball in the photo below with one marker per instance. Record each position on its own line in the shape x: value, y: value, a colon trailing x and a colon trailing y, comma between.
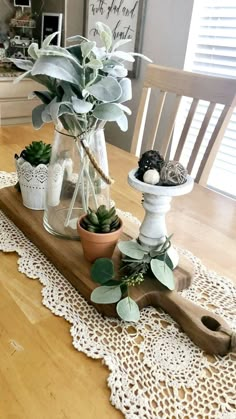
x: 151, y: 176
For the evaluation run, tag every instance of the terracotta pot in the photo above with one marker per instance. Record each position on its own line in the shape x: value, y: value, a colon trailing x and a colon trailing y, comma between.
x: 98, y: 245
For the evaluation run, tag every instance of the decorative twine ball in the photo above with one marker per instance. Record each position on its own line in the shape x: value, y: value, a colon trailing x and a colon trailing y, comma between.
x: 151, y: 176
x: 173, y: 173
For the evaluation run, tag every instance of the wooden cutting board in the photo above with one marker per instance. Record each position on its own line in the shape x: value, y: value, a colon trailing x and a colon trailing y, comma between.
x: 67, y: 256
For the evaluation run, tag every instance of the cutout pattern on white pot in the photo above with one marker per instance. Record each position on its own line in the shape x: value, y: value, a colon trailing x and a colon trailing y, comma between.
x: 33, y: 183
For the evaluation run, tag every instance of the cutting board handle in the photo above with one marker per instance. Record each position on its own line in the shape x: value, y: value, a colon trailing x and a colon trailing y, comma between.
x: 206, y: 329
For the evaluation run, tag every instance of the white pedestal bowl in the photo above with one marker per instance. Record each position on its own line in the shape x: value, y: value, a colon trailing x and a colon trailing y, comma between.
x: 156, y: 203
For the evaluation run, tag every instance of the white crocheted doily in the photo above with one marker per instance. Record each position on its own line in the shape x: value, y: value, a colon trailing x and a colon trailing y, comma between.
x: 155, y: 370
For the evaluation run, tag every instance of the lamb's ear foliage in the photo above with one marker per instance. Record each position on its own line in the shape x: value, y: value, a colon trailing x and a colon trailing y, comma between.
x: 97, y: 76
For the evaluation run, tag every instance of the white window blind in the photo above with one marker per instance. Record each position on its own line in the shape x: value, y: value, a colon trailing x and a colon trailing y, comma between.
x: 212, y: 50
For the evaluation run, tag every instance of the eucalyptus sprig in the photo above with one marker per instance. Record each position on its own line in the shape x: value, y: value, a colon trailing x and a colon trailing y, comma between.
x: 112, y: 290
x: 158, y: 260
x: 136, y: 262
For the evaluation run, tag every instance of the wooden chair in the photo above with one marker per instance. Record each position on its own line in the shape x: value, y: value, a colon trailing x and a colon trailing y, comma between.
x: 199, y: 87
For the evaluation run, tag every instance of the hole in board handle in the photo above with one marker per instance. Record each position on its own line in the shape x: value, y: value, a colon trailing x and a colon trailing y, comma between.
x: 210, y: 323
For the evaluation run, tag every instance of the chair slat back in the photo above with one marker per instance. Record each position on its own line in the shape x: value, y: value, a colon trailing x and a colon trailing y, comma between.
x: 170, y: 125
x: 158, y: 113
x: 215, y: 90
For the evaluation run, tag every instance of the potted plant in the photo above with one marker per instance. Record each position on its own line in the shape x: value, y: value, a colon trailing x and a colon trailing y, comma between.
x: 32, y: 171
x: 99, y: 232
x: 86, y: 86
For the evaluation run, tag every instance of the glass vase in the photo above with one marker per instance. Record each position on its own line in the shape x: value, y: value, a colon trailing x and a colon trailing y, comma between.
x: 74, y: 184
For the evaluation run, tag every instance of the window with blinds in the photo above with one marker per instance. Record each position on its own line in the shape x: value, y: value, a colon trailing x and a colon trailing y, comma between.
x: 212, y: 50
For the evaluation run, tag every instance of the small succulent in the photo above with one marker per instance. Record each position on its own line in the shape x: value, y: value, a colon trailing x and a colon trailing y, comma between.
x: 36, y: 153
x: 101, y: 221
x: 149, y: 160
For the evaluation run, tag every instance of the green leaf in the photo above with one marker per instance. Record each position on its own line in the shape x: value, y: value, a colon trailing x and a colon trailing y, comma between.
x: 86, y: 47
x: 107, y: 112
x: 102, y: 270
x: 99, y: 53
x: 122, y: 122
x: 76, y: 38
x: 81, y: 106
x: 94, y: 64
x: 49, y: 38
x: 124, y: 108
x: 163, y: 273
x: 56, y: 67
x: 33, y: 50
x: 132, y: 249
x: 102, y: 27
x: 46, y: 81
x: 126, y: 88
x: 128, y: 310
x: 46, y: 115
x: 144, y: 57
x: 106, y: 40
x: 105, y: 34
x: 120, y: 43
x: 53, y: 109
x: 173, y: 256
x: 165, y: 258
x: 37, y: 116
x: 106, y: 90
x: 123, y: 55
x: 116, y: 71
x: 56, y: 51
x: 22, y: 76
x: 22, y: 64
x: 106, y: 295
x: 75, y: 50
x: 65, y: 108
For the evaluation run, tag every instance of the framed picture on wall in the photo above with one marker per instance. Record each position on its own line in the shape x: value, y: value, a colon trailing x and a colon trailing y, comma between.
x: 124, y: 17
x: 51, y: 22
x: 22, y: 3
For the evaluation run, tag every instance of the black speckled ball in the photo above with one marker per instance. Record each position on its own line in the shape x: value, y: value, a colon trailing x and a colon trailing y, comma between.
x: 149, y: 160
x: 173, y: 173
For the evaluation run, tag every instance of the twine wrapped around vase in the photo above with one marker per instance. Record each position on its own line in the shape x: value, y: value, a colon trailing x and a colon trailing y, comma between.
x: 94, y: 162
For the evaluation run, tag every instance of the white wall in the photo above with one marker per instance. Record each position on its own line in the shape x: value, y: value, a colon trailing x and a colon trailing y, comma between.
x: 165, y: 40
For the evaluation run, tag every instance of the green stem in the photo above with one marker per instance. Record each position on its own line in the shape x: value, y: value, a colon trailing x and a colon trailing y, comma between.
x: 72, y: 202
x: 92, y: 188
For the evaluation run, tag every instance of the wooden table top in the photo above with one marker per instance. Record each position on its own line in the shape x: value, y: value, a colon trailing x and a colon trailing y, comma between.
x: 52, y: 379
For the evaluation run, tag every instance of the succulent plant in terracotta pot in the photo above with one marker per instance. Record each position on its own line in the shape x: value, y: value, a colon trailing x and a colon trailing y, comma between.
x: 32, y: 171
x: 99, y: 232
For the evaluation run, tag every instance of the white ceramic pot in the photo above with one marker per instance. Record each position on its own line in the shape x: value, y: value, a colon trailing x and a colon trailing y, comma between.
x: 156, y: 203
x: 33, y: 183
